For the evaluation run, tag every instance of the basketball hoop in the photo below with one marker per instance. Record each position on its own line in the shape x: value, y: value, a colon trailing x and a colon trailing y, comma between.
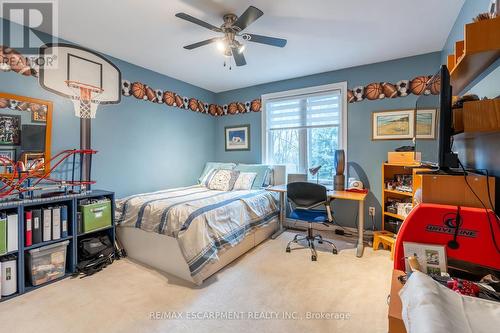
x: 85, y: 106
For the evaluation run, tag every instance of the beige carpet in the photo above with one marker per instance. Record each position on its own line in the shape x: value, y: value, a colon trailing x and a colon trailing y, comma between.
x: 258, y: 291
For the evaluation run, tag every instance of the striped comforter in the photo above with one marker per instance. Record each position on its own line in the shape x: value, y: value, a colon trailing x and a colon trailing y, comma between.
x: 203, y: 221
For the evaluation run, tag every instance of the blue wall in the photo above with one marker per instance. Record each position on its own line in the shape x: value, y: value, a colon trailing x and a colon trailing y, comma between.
x: 365, y: 156
x: 142, y: 146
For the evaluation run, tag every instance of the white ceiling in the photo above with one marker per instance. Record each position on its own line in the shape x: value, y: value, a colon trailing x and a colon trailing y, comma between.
x: 322, y: 35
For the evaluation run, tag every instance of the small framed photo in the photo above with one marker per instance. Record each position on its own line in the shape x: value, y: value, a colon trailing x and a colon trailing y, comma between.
x: 39, y: 113
x: 34, y: 161
x: 393, y: 125
x: 237, y: 138
x: 432, y: 258
x: 10, y: 128
x: 426, y: 124
x: 5, y: 166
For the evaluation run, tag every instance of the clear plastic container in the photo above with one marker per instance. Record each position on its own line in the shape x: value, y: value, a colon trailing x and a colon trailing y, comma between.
x: 46, y: 263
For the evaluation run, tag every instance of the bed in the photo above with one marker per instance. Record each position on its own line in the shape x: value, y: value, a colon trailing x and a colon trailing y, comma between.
x: 192, y: 232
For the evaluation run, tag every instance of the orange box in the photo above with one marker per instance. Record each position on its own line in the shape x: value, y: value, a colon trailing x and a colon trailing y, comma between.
x: 404, y: 157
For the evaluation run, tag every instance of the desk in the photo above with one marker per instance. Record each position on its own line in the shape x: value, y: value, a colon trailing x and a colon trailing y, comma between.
x: 342, y: 195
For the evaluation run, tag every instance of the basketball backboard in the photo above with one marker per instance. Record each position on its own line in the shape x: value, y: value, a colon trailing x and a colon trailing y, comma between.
x: 80, y: 67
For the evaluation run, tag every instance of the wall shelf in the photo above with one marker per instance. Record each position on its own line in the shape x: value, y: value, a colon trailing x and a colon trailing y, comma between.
x: 408, y: 194
x: 396, y: 216
x: 479, y: 49
x: 37, y: 245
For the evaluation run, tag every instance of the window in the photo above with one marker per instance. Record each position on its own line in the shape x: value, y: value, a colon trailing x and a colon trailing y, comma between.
x: 303, y: 128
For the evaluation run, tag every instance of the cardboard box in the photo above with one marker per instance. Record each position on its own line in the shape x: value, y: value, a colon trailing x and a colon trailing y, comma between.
x: 404, y: 157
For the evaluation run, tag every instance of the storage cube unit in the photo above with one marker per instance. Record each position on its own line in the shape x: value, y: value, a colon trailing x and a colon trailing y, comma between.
x: 46, y: 263
x: 95, y: 214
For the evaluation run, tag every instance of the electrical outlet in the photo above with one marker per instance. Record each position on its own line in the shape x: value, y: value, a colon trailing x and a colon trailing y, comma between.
x: 371, y: 211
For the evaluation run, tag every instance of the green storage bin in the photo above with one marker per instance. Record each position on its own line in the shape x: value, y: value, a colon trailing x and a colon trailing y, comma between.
x: 3, y: 236
x: 95, y: 216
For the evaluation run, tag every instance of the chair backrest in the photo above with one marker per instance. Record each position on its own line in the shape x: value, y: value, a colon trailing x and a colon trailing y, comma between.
x: 304, y: 194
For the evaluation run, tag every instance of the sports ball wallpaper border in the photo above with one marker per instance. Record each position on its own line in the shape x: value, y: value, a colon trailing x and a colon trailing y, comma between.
x: 12, y: 60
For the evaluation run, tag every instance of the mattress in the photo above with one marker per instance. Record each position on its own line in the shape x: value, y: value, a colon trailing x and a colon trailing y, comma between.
x: 203, y: 221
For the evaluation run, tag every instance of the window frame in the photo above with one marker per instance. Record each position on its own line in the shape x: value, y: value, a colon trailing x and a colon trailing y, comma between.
x: 339, y: 86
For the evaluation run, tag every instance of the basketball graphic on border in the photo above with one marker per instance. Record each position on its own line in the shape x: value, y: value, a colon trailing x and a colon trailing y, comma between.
x: 374, y: 91
x: 193, y: 104
x: 4, y: 103
x: 418, y: 84
x: 23, y: 106
x: 390, y: 90
x: 138, y: 90
x: 435, y: 85
x: 220, y: 111
x: 232, y: 108
x: 212, y: 109
x: 16, y: 61
x: 169, y: 98
x: 178, y: 101
x: 255, y: 105
x: 34, y: 107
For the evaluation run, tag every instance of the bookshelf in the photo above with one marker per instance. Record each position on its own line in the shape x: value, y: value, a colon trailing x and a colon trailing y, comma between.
x: 389, y: 171
x: 71, y: 201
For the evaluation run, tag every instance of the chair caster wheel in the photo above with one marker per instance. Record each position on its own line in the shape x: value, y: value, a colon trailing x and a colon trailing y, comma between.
x: 334, y: 251
x: 320, y: 242
x: 288, y: 249
x: 313, y: 258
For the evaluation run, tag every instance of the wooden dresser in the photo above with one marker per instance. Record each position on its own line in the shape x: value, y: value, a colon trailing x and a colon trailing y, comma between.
x: 396, y: 324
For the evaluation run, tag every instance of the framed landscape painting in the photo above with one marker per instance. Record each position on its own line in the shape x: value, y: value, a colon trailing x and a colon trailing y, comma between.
x: 426, y: 124
x: 393, y: 125
x: 237, y: 138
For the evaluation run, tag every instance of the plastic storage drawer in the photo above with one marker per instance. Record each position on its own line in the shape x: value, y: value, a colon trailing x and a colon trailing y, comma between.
x: 47, y: 263
x: 95, y: 216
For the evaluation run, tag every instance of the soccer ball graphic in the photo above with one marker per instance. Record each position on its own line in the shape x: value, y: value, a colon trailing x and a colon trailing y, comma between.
x: 126, y: 85
x: 159, y: 96
x: 13, y: 104
x: 403, y: 87
x: 358, y: 93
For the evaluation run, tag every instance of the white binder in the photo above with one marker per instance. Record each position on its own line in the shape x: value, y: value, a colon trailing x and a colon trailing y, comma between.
x: 9, y: 277
x: 47, y: 225
x: 56, y: 223
x: 12, y: 233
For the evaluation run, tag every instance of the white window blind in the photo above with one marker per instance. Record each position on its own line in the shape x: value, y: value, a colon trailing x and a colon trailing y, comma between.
x: 303, y: 128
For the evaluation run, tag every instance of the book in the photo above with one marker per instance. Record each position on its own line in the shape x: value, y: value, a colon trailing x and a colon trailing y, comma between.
x: 12, y: 233
x: 64, y: 221
x: 47, y: 225
x: 56, y: 223
x: 28, y: 229
x: 3, y: 234
x: 37, y: 225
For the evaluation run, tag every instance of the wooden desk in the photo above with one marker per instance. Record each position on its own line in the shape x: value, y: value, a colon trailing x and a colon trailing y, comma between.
x: 341, y: 195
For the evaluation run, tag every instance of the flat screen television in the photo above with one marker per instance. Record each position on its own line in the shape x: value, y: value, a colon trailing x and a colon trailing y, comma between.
x: 33, y: 138
x: 437, y: 95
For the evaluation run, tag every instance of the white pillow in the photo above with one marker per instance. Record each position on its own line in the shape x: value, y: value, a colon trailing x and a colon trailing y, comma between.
x: 223, y: 180
x: 244, y: 181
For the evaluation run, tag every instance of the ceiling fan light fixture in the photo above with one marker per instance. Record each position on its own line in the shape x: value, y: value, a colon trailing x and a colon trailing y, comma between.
x: 241, y: 48
x: 221, y: 46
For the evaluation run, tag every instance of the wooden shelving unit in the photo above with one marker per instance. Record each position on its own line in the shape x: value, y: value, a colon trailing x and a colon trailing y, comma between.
x: 71, y: 201
x: 479, y: 49
x: 389, y: 171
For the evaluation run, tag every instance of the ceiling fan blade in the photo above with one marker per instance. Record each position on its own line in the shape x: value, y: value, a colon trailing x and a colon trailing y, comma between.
x: 204, y: 42
x: 279, y: 42
x: 239, y: 58
x: 194, y: 20
x: 248, y: 17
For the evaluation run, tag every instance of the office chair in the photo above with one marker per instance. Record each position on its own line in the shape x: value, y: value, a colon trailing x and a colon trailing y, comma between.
x: 304, y: 197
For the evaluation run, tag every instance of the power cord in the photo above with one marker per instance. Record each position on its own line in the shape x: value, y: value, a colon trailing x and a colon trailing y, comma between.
x: 492, y: 231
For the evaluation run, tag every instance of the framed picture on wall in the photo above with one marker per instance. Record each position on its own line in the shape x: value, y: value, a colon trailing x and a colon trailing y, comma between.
x: 393, y: 125
x: 426, y: 124
x: 237, y: 138
x: 39, y: 113
x: 34, y: 161
x: 10, y: 129
x: 5, y: 166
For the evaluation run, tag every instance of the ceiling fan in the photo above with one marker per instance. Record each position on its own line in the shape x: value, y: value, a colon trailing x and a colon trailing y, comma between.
x: 233, y: 27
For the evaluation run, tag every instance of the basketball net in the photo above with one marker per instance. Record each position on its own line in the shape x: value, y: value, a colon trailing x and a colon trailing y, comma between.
x: 85, y: 106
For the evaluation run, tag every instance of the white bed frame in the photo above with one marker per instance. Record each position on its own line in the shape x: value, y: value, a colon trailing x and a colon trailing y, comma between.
x: 163, y: 252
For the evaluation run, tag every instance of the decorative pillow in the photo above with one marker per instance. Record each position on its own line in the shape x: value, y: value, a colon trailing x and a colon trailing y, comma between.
x: 260, y: 169
x: 245, y: 181
x: 223, y: 180
x: 214, y: 165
